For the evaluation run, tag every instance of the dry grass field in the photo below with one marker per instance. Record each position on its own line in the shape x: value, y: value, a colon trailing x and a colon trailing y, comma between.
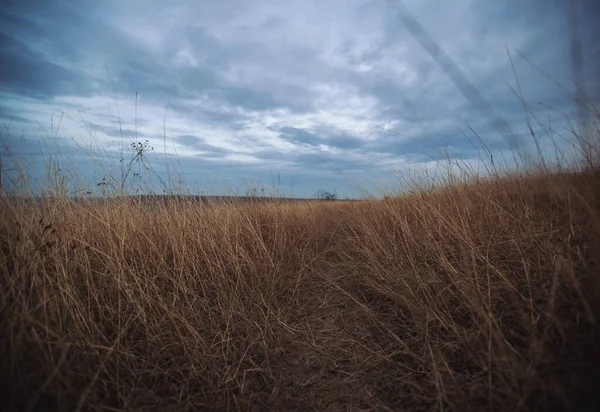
x: 154, y: 253
x: 481, y: 295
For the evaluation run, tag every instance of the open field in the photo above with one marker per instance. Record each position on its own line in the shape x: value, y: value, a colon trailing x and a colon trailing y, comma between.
x: 481, y: 295
x: 299, y: 206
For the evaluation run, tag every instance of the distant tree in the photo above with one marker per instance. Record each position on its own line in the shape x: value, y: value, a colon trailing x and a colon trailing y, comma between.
x: 326, y: 195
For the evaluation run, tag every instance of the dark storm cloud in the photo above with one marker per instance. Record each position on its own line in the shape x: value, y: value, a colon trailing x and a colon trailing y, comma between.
x: 23, y: 71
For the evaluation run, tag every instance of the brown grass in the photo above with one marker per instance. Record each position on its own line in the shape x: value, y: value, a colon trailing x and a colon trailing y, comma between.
x: 482, y: 296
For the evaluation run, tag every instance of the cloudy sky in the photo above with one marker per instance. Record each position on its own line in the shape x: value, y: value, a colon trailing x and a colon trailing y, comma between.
x: 327, y: 94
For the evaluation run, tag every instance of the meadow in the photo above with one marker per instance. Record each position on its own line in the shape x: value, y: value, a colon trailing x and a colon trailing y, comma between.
x: 478, y: 294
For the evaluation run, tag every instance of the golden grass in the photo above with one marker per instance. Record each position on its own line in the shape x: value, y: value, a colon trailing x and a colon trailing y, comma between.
x: 475, y: 297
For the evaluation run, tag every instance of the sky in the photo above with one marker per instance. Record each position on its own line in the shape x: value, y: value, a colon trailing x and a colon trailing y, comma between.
x: 303, y: 95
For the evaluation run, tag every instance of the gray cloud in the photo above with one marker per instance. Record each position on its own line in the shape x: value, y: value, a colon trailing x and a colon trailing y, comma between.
x: 24, y: 72
x: 200, y: 144
x: 299, y: 136
x: 254, y: 88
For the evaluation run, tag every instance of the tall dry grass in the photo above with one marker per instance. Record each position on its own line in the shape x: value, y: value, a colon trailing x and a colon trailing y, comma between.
x: 478, y: 296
